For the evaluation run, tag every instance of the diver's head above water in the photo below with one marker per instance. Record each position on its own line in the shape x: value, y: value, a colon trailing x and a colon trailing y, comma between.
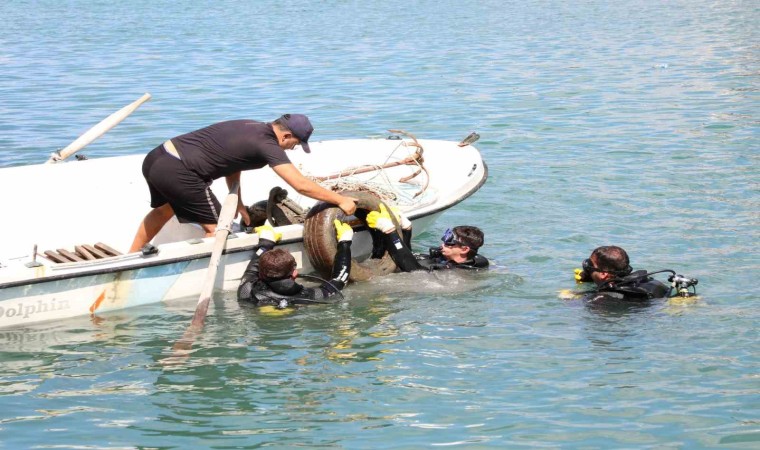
x: 461, y: 243
x: 277, y: 264
x: 605, y: 263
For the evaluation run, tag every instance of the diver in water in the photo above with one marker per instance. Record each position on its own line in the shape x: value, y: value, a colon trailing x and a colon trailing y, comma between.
x: 459, y: 249
x: 270, y: 276
x: 609, y: 268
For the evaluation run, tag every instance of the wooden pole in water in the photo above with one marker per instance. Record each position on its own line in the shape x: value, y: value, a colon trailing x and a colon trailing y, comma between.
x: 223, y: 229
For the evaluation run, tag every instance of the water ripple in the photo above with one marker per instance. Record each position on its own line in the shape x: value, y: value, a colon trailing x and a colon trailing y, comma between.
x: 628, y: 123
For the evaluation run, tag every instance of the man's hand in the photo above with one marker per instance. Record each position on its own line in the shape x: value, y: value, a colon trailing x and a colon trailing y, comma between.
x: 381, y: 220
x: 243, y: 211
x: 267, y: 232
x: 348, y: 204
x: 343, y: 231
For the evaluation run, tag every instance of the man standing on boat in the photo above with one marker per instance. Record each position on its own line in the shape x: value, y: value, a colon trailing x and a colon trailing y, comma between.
x: 180, y: 171
x: 458, y: 250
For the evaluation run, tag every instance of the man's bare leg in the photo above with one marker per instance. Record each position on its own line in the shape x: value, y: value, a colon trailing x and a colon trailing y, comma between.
x: 151, y: 225
x: 209, y: 229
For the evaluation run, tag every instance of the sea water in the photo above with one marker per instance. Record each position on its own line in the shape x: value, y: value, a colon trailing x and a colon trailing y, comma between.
x: 623, y: 123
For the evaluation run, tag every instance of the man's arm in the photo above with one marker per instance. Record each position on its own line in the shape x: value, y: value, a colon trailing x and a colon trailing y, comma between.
x: 394, y: 245
x: 406, y: 234
x: 241, y: 209
x: 305, y: 186
x: 341, y: 268
x: 400, y: 253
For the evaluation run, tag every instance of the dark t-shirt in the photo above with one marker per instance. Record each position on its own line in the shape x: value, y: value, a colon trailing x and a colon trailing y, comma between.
x: 224, y: 148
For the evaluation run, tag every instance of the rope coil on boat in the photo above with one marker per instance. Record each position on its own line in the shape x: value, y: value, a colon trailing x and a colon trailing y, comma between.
x: 321, y: 244
x: 415, y: 159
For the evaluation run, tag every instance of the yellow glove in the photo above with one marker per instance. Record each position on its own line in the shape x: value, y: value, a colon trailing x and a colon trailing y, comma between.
x: 579, y: 278
x: 381, y: 220
x: 343, y: 231
x: 267, y: 232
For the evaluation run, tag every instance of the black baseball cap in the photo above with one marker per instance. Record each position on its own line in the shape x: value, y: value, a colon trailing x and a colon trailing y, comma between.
x: 299, y: 125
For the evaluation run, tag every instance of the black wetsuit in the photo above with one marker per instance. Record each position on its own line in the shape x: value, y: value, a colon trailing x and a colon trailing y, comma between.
x: 408, y: 262
x: 637, y: 287
x: 286, y: 291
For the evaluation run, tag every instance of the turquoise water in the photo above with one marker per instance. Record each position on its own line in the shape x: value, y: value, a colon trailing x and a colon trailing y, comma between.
x: 627, y: 123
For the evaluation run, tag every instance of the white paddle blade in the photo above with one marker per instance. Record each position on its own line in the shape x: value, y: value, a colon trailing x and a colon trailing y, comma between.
x: 97, y: 131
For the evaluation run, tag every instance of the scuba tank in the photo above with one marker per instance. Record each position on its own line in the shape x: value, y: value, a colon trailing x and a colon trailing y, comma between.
x: 639, y: 286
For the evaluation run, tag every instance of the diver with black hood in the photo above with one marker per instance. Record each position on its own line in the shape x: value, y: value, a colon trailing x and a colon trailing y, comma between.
x: 270, y: 278
x: 609, y: 268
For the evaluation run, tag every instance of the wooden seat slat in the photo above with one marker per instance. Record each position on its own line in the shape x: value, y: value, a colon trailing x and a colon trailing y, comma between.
x: 81, y: 253
x: 98, y: 254
x: 55, y: 257
x: 70, y: 255
x: 105, y: 248
x: 84, y: 253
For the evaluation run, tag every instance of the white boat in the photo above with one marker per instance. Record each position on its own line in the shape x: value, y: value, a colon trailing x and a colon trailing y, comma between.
x: 52, y: 210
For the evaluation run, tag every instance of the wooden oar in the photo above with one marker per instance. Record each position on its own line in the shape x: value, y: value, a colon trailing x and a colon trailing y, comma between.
x: 97, y: 131
x: 223, y: 227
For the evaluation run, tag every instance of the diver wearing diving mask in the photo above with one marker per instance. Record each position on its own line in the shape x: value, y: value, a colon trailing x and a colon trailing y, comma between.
x: 609, y: 268
x: 458, y: 250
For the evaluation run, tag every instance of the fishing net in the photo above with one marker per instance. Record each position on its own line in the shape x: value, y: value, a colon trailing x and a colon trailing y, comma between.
x: 383, y: 179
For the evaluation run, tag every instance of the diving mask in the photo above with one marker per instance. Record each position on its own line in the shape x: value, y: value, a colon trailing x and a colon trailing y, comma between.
x: 449, y: 239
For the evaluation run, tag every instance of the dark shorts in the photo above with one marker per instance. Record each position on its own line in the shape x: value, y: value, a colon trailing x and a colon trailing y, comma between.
x: 171, y: 182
